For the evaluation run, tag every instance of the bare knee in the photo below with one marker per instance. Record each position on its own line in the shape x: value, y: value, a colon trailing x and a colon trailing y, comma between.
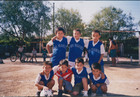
x: 75, y: 93
x: 84, y: 80
x: 104, y: 88
x: 93, y: 88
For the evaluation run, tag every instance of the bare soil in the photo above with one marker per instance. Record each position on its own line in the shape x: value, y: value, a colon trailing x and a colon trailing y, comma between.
x: 17, y: 79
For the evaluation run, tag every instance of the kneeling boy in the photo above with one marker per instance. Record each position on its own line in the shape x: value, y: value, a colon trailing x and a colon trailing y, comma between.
x: 80, y: 77
x: 98, y: 79
x: 44, y: 79
x: 64, y: 78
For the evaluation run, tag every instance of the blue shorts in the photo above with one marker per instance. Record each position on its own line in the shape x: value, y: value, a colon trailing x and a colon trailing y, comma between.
x: 67, y: 85
x: 113, y: 53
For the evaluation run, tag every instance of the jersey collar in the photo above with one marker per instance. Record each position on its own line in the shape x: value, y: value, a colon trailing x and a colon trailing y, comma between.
x: 95, y: 43
x: 97, y: 78
x: 47, y: 78
x: 79, y: 71
x: 59, y: 40
x: 77, y: 40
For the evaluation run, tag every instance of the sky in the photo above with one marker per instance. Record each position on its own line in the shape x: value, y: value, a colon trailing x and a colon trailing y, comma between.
x: 88, y: 9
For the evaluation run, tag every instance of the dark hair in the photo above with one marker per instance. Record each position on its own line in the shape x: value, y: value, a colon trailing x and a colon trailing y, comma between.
x: 64, y: 62
x: 96, y: 66
x: 60, y: 29
x: 111, y: 38
x: 96, y: 31
x: 77, y: 29
x: 79, y: 60
x: 47, y: 63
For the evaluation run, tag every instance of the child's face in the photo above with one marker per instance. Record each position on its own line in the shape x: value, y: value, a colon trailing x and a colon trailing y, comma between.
x: 96, y: 72
x: 95, y: 36
x: 47, y: 69
x: 76, y: 34
x: 79, y: 66
x: 59, y: 34
x: 64, y: 68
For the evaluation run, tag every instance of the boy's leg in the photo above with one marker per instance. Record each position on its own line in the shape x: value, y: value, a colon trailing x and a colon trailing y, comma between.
x: 51, y: 84
x: 60, y: 85
x: 39, y: 89
x: 104, y: 88
x: 77, y: 89
x: 67, y: 86
x: 85, y: 86
x: 94, y: 89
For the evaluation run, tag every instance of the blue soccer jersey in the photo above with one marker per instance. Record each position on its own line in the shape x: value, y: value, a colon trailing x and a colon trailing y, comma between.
x: 78, y: 76
x: 99, y: 80
x: 59, y: 51
x: 44, y: 78
x: 75, y: 49
x: 94, y: 53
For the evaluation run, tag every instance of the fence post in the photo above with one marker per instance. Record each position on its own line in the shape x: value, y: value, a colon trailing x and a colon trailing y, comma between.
x: 131, y: 59
x: 139, y: 48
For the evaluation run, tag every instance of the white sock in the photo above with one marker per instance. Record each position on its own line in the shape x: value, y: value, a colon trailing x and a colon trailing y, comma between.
x: 85, y: 93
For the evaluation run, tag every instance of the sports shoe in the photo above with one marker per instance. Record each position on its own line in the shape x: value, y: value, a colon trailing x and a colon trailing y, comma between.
x: 85, y: 93
x: 38, y: 93
x: 60, y: 93
x: 104, y: 95
x: 93, y: 94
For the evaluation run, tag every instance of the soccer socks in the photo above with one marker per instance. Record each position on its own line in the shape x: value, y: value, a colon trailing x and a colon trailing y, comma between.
x: 60, y: 93
x: 38, y: 93
x: 85, y: 93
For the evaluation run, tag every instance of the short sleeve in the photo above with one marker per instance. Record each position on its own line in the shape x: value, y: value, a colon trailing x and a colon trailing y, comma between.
x: 88, y: 70
x: 107, y: 81
x: 86, y: 42
x: 102, y: 49
x: 38, y: 78
x: 69, y: 39
x: 50, y: 43
x: 55, y: 69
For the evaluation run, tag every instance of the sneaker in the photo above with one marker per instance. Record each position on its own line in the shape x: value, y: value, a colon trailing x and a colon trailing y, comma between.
x: 93, y: 94
x: 38, y: 93
x: 85, y: 93
x: 104, y: 95
x: 60, y: 93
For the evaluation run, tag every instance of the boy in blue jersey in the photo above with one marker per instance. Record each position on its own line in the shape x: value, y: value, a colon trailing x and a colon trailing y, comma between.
x: 59, y: 46
x: 76, y: 46
x: 96, y: 50
x: 98, y: 79
x: 44, y: 79
x: 80, y: 77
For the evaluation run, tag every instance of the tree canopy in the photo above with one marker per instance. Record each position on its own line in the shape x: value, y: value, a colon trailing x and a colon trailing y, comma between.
x: 20, y: 19
x: 113, y: 19
x: 69, y: 20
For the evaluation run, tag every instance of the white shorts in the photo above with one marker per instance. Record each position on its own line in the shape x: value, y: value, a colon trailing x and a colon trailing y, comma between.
x: 72, y: 64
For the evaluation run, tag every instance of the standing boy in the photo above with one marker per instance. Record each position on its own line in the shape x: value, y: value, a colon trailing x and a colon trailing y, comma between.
x: 64, y: 78
x: 59, y: 46
x: 44, y: 54
x: 44, y: 79
x: 76, y: 46
x: 80, y: 77
x: 96, y: 50
x: 112, y: 51
x: 98, y: 80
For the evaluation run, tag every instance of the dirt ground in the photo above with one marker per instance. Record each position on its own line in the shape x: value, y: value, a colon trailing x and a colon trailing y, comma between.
x: 17, y: 79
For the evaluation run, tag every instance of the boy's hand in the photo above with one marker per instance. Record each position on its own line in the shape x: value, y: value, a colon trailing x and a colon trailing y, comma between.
x: 97, y: 85
x: 45, y: 88
x: 54, y: 38
x: 50, y: 54
x: 102, y: 75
